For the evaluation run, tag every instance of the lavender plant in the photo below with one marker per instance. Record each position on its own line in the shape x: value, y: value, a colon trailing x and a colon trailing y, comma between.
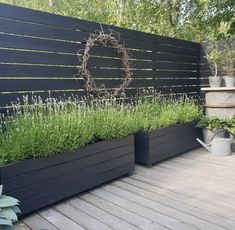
x: 41, y: 128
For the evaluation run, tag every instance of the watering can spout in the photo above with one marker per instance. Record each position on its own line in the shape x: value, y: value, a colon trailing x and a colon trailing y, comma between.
x: 204, y: 145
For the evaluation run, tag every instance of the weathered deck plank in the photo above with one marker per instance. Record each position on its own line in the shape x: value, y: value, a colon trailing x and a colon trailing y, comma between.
x: 188, y: 192
x: 172, y: 199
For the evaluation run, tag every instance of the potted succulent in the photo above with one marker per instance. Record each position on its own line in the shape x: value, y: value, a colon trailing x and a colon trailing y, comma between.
x: 8, y: 211
x: 228, y: 65
x: 214, y: 56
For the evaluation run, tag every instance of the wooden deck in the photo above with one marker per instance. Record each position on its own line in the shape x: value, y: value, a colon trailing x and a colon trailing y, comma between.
x: 188, y: 192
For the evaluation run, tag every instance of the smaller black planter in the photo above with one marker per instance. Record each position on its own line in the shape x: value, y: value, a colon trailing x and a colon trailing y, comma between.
x: 160, y: 144
x: 43, y: 181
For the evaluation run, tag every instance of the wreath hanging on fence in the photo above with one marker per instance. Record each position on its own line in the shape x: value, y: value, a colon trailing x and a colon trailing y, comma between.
x: 110, y: 39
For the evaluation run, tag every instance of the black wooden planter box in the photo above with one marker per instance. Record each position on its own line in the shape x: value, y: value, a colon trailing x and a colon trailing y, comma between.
x: 160, y: 144
x: 43, y: 181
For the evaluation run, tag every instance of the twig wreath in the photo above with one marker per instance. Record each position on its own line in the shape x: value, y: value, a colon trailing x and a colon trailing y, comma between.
x: 106, y: 39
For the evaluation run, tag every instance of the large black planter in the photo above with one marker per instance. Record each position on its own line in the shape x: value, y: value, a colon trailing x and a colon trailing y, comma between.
x: 160, y: 144
x: 43, y: 181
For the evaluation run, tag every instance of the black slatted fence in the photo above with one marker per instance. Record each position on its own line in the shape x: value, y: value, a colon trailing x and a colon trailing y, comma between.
x: 39, y: 53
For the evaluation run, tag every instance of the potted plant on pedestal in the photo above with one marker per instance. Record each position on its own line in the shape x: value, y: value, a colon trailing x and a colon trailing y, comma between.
x: 220, y: 127
x: 211, y: 126
x: 214, y: 57
x: 228, y: 65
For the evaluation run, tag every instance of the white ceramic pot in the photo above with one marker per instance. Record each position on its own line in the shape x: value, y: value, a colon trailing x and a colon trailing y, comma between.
x: 215, y: 81
x: 229, y: 81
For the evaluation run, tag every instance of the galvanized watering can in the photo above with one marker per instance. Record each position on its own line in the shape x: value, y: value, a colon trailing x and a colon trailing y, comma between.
x: 219, y: 146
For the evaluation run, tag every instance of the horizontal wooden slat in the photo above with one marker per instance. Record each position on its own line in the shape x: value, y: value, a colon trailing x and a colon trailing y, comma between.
x: 134, y: 44
x: 175, y: 82
x: 7, y: 85
x: 144, y: 73
x: 24, y: 14
x: 169, y: 90
x: 144, y: 55
x: 9, y: 70
x: 15, y: 56
x: 29, y: 43
x: 162, y: 57
x: 19, y: 42
x: 42, y: 84
x: 117, y: 63
x: 37, y: 30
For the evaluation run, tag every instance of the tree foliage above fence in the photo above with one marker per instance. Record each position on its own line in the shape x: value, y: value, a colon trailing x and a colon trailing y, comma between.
x: 187, y: 19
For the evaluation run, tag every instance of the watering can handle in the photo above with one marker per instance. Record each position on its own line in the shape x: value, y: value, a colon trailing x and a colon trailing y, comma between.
x: 220, y: 131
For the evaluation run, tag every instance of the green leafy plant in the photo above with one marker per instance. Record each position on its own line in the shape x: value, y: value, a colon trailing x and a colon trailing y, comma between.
x: 214, y: 124
x: 8, y: 211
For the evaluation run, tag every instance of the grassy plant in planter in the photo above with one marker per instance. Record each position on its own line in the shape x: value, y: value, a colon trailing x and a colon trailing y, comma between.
x: 8, y: 211
x: 167, y: 128
x: 52, y: 150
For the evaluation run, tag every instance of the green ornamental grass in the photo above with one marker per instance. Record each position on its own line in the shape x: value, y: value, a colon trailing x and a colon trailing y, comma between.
x: 56, y: 126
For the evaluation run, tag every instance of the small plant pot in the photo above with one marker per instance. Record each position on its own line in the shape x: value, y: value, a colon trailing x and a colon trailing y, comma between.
x: 215, y: 81
x: 229, y: 81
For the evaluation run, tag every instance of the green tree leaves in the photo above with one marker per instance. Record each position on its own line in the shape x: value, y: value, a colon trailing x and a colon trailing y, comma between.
x: 196, y: 20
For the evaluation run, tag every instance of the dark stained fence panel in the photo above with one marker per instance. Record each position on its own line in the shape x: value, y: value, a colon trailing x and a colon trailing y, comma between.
x: 41, y: 53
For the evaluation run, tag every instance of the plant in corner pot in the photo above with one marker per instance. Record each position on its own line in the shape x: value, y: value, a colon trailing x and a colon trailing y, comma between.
x: 221, y: 127
x: 211, y: 126
x: 214, y: 56
x: 228, y: 65
x: 8, y: 211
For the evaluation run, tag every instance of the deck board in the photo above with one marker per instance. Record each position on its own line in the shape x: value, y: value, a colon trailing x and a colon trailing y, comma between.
x: 191, y: 191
